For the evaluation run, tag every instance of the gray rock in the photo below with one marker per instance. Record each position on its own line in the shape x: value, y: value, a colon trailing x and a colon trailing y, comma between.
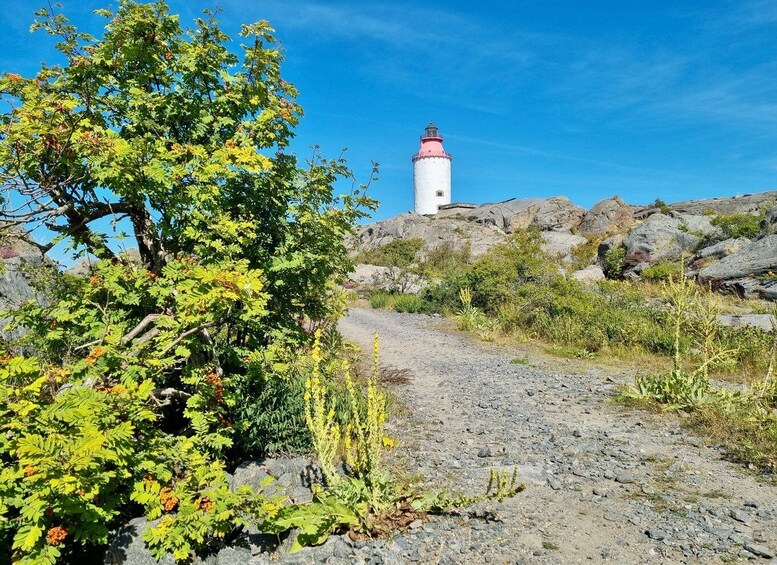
x: 665, y: 237
x: 435, y: 232
x: 611, y: 215
x: 592, y: 273
x: 754, y: 259
x: 127, y: 546
x: 388, y: 278
x: 551, y: 214
x: 233, y: 556
x: 759, y: 550
x: 292, y: 477
x: 723, y: 248
x: 743, y: 204
x: 746, y: 287
x: 761, y: 321
x: 484, y: 451
x: 624, y: 477
x: 656, y: 534
x: 560, y: 244
x: 739, y: 515
x: 21, y: 265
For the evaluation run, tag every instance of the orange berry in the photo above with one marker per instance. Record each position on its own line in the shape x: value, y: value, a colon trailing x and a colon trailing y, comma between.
x: 56, y: 534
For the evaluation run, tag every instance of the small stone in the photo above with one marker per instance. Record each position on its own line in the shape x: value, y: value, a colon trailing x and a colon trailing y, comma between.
x: 577, y: 433
x: 608, y: 474
x: 555, y: 484
x: 694, y: 441
x: 529, y: 392
x: 739, y: 515
x: 484, y: 451
x: 656, y: 534
x: 751, y: 504
x: 624, y: 477
x: 759, y: 550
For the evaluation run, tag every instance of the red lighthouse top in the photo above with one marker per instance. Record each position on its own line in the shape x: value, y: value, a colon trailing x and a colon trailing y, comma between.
x: 431, y: 144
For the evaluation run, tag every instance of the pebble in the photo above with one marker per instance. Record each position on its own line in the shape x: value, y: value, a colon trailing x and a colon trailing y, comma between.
x: 739, y: 515
x: 656, y: 534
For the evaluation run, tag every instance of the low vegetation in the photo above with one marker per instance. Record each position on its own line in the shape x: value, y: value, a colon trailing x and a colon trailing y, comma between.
x: 739, y: 225
x: 516, y: 291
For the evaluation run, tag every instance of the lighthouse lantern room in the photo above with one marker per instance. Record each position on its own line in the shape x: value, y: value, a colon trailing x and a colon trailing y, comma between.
x: 431, y: 173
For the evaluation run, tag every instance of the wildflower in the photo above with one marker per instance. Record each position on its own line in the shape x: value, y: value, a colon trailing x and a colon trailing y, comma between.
x: 13, y: 77
x: 116, y: 389
x: 96, y: 279
x: 29, y: 470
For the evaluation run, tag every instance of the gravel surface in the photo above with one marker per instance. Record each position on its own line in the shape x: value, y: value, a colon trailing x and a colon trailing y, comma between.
x: 604, y: 484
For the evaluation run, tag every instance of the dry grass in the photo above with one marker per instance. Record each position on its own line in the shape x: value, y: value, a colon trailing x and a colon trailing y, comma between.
x: 746, y: 440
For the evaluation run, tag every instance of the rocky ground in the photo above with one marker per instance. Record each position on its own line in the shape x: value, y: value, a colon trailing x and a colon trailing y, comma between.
x: 604, y: 484
x: 583, y: 239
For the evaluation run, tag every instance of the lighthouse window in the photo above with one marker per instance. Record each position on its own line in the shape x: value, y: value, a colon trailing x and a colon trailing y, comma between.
x: 440, y: 193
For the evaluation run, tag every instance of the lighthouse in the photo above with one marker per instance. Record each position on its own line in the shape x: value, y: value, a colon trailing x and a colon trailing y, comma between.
x: 431, y: 173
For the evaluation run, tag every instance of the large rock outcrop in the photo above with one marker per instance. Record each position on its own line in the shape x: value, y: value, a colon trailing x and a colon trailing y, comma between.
x: 560, y: 245
x: 662, y: 237
x: 744, y: 204
x: 551, y: 214
x: 433, y: 231
x: 611, y: 215
x: 648, y: 234
x: 757, y: 258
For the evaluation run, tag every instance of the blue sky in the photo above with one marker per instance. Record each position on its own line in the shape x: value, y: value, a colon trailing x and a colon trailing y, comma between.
x: 653, y: 99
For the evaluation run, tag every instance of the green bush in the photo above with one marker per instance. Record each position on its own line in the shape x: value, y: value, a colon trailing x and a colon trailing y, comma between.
x: 739, y: 225
x: 662, y: 206
x: 397, y: 253
x: 614, y: 262
x: 400, y: 302
x: 662, y: 271
x: 522, y: 287
x: 445, y: 258
x: 380, y: 299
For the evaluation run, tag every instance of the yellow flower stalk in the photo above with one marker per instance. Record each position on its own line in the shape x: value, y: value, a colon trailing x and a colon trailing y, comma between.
x: 320, y: 418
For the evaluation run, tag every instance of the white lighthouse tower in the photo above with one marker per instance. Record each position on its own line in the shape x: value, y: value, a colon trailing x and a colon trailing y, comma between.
x: 431, y: 173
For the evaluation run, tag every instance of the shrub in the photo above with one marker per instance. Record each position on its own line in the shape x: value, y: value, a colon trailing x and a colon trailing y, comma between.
x: 397, y: 253
x: 583, y: 254
x: 662, y: 206
x: 614, y: 262
x: 739, y: 225
x: 410, y: 303
x: 662, y: 271
x: 445, y: 258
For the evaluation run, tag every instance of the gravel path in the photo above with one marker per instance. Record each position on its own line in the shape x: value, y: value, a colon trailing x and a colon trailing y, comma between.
x: 603, y: 484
